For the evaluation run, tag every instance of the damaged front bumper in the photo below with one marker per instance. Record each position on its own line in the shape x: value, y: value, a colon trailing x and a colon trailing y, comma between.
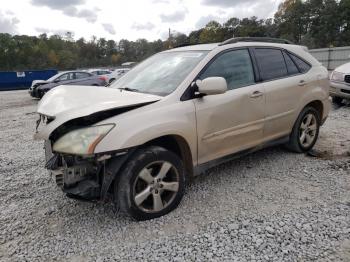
x: 87, y: 178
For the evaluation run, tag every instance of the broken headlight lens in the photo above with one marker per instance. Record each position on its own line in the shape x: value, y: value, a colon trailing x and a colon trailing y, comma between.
x: 82, y: 141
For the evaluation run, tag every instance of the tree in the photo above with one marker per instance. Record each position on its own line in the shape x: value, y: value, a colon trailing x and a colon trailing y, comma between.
x: 115, y: 58
x: 292, y: 19
x: 212, y: 33
x: 250, y: 27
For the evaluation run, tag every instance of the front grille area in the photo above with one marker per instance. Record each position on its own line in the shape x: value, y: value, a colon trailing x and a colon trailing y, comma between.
x: 347, y: 78
x: 345, y: 91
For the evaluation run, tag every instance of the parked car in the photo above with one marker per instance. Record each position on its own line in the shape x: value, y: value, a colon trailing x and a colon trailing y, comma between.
x: 116, y: 74
x: 177, y: 114
x: 99, y: 72
x: 40, y: 87
x: 340, y: 83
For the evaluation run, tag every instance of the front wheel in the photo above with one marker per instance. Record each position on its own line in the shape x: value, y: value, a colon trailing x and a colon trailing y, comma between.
x: 305, y: 131
x: 151, y: 184
x: 41, y: 93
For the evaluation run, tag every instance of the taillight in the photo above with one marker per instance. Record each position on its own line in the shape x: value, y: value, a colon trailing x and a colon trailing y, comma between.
x: 104, y: 78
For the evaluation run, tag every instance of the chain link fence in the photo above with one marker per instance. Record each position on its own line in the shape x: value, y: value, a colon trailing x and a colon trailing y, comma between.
x: 331, y: 58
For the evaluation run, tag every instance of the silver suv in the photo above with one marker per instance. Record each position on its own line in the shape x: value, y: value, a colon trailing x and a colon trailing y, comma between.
x: 177, y: 114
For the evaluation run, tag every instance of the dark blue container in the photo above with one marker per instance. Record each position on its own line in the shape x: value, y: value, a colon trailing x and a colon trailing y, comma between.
x: 24, y: 79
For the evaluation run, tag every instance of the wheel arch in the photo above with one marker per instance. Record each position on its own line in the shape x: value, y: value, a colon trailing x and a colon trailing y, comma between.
x: 174, y: 143
x: 318, y: 105
x: 178, y: 145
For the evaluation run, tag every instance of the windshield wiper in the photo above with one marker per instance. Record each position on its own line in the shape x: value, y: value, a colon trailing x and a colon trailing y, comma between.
x: 129, y: 89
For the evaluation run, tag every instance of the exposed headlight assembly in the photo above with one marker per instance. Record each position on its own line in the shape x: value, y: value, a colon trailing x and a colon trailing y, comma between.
x: 82, y: 141
x: 336, y: 76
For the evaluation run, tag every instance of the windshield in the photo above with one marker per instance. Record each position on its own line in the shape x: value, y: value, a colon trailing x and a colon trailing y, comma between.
x: 52, y: 78
x: 162, y: 73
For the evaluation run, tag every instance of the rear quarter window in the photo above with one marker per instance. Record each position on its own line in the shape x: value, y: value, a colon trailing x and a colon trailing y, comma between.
x: 302, y: 65
x: 291, y: 67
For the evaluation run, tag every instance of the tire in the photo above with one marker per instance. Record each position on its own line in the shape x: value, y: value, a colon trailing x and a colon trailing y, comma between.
x: 139, y: 175
x: 337, y: 100
x: 301, y: 126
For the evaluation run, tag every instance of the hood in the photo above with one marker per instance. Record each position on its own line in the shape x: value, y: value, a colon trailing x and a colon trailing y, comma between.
x: 345, y: 69
x: 65, y: 103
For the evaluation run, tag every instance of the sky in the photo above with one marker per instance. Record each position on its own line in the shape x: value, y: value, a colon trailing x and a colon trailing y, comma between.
x: 123, y: 19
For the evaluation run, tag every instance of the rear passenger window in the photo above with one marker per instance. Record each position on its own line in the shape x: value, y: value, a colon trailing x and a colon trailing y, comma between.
x: 302, y: 65
x: 81, y: 75
x: 292, y: 68
x: 271, y: 63
x: 235, y: 66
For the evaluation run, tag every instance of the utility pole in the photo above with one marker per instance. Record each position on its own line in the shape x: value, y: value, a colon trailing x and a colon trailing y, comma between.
x: 169, y: 40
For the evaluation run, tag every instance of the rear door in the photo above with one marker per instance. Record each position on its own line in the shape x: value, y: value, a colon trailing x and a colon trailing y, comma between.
x: 79, y: 78
x: 233, y: 121
x: 283, y: 85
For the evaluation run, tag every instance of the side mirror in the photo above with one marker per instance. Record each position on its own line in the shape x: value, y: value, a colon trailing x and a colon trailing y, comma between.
x: 56, y: 80
x: 212, y: 86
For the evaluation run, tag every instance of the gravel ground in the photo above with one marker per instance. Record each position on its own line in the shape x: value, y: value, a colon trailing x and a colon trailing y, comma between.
x: 272, y: 205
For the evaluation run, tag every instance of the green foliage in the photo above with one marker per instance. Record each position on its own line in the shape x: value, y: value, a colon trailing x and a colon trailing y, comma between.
x: 314, y: 23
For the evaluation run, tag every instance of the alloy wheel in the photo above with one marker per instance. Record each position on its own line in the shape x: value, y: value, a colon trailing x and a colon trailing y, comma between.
x: 156, y: 186
x: 308, y: 130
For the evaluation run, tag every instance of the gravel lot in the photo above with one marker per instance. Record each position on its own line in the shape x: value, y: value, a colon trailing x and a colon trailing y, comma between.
x: 269, y: 206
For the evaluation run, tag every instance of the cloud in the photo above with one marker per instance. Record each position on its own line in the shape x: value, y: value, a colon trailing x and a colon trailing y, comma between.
x: 244, y: 8
x: 8, y: 24
x: 174, y: 17
x: 204, y: 20
x: 58, y: 4
x: 140, y: 27
x: 9, y: 12
x: 61, y: 32
x: 160, y: 2
x: 109, y: 28
x: 89, y: 15
x: 68, y: 7
x: 227, y: 3
x: 164, y: 35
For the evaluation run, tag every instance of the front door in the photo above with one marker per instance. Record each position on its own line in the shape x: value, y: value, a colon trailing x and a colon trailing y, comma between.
x: 233, y: 121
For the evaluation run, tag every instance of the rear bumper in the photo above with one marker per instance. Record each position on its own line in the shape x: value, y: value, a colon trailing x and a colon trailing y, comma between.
x: 339, y: 89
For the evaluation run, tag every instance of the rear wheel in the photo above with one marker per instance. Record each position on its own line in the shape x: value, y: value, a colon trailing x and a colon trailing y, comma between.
x: 151, y: 184
x: 305, y: 131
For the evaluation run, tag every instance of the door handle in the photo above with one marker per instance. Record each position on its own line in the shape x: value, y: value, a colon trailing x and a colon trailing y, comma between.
x: 302, y: 83
x: 256, y: 94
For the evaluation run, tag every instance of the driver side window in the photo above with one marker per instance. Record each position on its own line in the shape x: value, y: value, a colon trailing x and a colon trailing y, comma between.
x: 235, y: 66
x: 63, y: 77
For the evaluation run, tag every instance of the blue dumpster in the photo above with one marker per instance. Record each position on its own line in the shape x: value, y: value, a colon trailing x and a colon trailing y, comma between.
x: 23, y: 79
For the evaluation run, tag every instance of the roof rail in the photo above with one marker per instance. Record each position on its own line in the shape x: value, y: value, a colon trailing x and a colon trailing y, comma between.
x: 255, y: 39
